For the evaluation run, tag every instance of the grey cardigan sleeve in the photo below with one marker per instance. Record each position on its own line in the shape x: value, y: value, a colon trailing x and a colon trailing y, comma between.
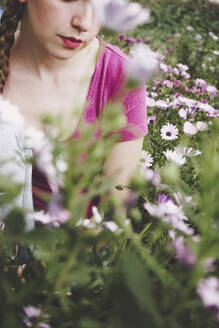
x: 14, y: 166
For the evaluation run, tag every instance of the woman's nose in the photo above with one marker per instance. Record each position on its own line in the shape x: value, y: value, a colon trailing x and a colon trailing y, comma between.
x: 82, y: 19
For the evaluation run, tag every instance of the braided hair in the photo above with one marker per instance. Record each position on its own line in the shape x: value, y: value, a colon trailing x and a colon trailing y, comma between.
x: 9, y: 21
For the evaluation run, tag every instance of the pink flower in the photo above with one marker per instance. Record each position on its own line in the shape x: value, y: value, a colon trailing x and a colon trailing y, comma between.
x: 148, y: 39
x: 164, y: 67
x: 208, y: 290
x: 182, y: 68
x: 175, y: 71
x: 139, y: 40
x: 32, y: 311
x: 212, y: 90
x: 209, y: 264
x: 168, y: 84
x: 185, y: 75
x: 213, y: 114
x: 163, y: 198
x: 201, y: 83
x: 121, y: 37
x: 150, y: 175
x: 177, y: 83
x: 129, y: 40
x: 170, y: 213
x: 152, y: 119
x: 44, y: 325
x: 55, y: 215
x: 183, y: 253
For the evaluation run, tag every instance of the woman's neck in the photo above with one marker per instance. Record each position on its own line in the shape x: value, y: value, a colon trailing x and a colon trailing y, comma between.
x: 34, y: 59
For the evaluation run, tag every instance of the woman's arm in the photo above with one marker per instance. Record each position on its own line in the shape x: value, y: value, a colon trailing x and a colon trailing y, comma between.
x: 122, y: 163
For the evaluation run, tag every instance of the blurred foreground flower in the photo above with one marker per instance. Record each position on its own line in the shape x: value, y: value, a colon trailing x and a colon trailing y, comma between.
x: 183, y: 253
x: 55, y: 215
x: 32, y: 313
x: 170, y: 213
x: 120, y: 15
x: 208, y: 290
x: 143, y: 63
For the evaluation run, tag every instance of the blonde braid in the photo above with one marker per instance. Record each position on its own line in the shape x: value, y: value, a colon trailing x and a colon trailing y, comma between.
x: 9, y: 22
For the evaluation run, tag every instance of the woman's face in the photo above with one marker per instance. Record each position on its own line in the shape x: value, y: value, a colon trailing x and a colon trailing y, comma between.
x: 53, y: 23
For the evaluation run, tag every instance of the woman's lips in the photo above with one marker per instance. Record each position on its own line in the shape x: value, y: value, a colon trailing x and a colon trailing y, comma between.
x: 71, y: 42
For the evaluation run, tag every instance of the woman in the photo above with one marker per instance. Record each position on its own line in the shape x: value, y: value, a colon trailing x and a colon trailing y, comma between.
x: 55, y: 61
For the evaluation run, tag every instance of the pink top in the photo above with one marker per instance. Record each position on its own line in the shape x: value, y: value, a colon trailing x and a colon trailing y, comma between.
x: 108, y: 79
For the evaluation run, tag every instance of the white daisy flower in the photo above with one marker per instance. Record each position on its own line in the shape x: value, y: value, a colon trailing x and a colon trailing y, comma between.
x: 186, y: 101
x: 154, y: 94
x: 208, y: 290
x: 183, y: 113
x: 175, y: 156
x: 146, y: 159
x: 112, y: 226
x: 97, y: 216
x: 189, y: 129
x: 212, y: 90
x: 162, y: 104
x: 201, y: 126
x: 213, y: 36
x: 212, y: 68
x: 189, y: 28
x: 191, y: 152
x: 150, y: 102
x: 205, y: 107
x: 169, y: 132
x: 198, y: 37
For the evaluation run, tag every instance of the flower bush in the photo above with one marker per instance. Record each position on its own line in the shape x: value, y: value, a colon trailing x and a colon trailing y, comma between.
x: 157, y: 264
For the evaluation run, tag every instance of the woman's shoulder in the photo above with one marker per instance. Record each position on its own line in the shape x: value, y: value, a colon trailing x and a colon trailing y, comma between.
x: 115, y: 53
x: 113, y: 62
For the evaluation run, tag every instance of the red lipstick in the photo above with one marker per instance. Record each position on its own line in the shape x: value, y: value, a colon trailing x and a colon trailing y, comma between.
x: 71, y: 42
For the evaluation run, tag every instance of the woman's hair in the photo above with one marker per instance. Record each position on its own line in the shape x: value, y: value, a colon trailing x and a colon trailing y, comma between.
x: 9, y: 22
